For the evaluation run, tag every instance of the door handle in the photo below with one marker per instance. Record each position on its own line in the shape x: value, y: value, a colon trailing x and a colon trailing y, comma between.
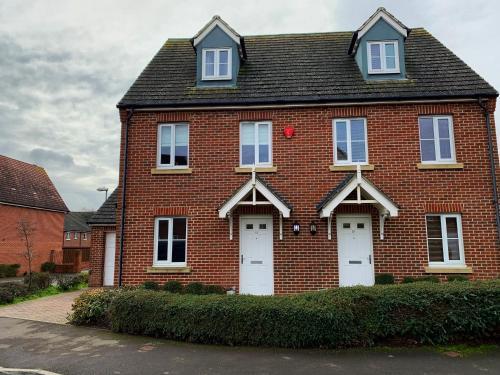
x: 370, y: 259
x: 241, y: 258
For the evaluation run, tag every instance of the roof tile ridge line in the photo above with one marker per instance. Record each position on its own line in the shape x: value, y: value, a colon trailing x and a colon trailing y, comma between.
x: 456, y: 56
x: 316, y: 33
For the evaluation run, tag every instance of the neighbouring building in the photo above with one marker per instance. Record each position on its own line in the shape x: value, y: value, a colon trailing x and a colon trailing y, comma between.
x: 76, y: 242
x: 286, y: 163
x: 28, y: 195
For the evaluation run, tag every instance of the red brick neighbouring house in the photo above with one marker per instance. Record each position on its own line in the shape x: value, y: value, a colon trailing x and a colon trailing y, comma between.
x: 76, y: 241
x: 288, y: 163
x: 27, y: 193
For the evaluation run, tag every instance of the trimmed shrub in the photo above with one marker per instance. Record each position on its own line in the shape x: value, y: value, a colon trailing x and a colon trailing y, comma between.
x: 39, y: 280
x: 195, y: 288
x: 9, y: 270
x: 173, y: 286
x: 8, y: 291
x: 152, y: 285
x: 411, y: 279
x: 384, y: 278
x: 457, y: 278
x: 214, y: 289
x: 68, y: 282
x: 6, y: 296
x: 48, y: 267
x: 426, y: 313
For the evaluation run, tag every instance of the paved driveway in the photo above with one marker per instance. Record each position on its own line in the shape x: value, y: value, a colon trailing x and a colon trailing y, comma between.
x: 64, y: 349
x: 52, y: 309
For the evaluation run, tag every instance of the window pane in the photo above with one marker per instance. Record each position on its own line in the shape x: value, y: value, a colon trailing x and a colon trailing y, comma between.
x: 210, y: 57
x: 390, y: 62
x: 426, y: 128
x: 445, y: 148
x: 247, y: 154
x: 357, y: 130
x: 453, y: 249
x: 358, y: 152
x: 209, y: 70
x: 165, y: 143
x: 248, y: 144
x: 341, y: 131
x: 179, y: 251
x: 162, y: 250
x: 390, y: 56
x: 375, y: 56
x: 443, y: 128
x: 181, y: 145
x: 223, y: 62
x: 179, y: 230
x: 264, y: 134
x: 223, y: 70
x: 435, y: 250
x: 428, y: 150
x: 433, y: 226
x: 263, y: 153
x: 166, y: 135
x: 163, y: 229
x: 341, y: 150
x: 451, y: 227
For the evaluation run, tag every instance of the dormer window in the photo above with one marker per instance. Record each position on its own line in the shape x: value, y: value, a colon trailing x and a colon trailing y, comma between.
x: 383, y: 57
x: 216, y: 64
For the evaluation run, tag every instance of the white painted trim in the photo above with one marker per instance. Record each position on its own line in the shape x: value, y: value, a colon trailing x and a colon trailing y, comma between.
x: 437, y: 146
x: 381, y: 14
x: 172, y: 165
x: 256, y: 143
x: 208, y: 28
x: 169, y: 262
x: 383, y: 63
x: 233, y: 202
x: 444, y: 238
x: 217, y: 76
x: 349, y: 143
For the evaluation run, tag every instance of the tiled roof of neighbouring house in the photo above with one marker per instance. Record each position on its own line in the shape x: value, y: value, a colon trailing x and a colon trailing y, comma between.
x: 77, y: 221
x: 24, y: 184
x: 106, y: 214
x: 304, y: 68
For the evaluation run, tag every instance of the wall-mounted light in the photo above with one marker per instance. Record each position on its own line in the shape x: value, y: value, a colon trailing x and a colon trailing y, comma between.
x: 296, y: 228
x: 313, y: 229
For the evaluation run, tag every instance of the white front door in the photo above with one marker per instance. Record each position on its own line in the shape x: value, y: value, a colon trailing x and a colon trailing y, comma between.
x: 256, y: 255
x: 109, y: 259
x: 355, y: 250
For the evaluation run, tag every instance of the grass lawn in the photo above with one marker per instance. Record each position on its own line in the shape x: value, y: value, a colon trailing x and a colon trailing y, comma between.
x: 50, y: 291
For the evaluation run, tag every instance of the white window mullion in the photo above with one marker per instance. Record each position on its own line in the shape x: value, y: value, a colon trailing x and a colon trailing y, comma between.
x: 256, y: 142
x: 444, y: 236
x: 383, y: 63
x: 170, y: 238
x: 349, y: 148
x: 437, y: 146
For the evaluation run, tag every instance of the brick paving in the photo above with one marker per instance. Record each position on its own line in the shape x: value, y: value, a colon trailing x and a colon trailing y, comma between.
x: 52, y: 309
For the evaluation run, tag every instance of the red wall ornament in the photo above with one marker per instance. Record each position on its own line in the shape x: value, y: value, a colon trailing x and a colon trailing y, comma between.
x: 289, y: 131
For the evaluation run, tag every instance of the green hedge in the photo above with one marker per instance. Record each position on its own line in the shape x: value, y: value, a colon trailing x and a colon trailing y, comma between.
x: 9, y: 270
x: 359, y: 316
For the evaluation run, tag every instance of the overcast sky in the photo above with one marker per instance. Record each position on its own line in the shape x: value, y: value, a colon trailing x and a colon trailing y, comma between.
x: 65, y: 64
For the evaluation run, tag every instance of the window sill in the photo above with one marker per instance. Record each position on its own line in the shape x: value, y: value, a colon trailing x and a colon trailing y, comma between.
x: 351, y: 167
x: 159, y: 269
x: 449, y: 269
x: 171, y: 171
x: 272, y: 169
x: 440, y: 166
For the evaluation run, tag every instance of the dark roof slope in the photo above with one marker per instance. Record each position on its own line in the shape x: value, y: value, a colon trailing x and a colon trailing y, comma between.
x: 106, y: 214
x: 29, y: 185
x: 77, y: 221
x: 301, y: 68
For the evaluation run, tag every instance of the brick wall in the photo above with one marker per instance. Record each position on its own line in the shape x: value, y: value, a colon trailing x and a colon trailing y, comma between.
x: 307, y: 262
x: 48, y: 234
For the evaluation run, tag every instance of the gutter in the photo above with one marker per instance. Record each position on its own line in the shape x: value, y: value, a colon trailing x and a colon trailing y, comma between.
x: 130, y: 113
x: 486, y: 113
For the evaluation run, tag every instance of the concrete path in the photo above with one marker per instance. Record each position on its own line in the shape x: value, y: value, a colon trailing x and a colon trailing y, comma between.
x: 64, y: 349
x: 52, y: 309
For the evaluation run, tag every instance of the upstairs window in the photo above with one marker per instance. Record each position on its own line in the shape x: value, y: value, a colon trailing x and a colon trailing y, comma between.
x: 350, y: 144
x: 255, y: 144
x: 173, y: 146
x: 436, y: 139
x: 383, y: 57
x: 170, y: 241
x: 216, y: 63
x: 444, y: 240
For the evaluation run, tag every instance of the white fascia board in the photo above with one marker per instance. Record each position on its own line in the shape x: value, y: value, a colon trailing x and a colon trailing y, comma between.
x: 328, y: 209
x: 210, y: 27
x: 230, y: 204
x: 387, y: 19
x: 285, y: 211
x: 379, y: 197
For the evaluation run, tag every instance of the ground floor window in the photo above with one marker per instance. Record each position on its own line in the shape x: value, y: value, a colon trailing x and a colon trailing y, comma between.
x: 444, y: 239
x: 170, y: 241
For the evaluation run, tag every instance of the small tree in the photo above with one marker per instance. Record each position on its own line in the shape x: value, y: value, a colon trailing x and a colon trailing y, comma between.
x: 26, y: 230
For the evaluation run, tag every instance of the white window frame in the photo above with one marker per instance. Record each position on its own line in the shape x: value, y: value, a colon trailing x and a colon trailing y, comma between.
x: 383, y: 63
x: 256, y: 143
x: 349, y: 151
x: 444, y: 238
x: 172, y: 147
x: 437, y: 146
x: 168, y: 263
x: 216, y: 75
x: 76, y: 236
x: 68, y: 236
x: 84, y: 236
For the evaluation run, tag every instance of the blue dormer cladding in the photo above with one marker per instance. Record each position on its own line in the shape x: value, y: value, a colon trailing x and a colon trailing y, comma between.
x: 217, y: 38
x: 380, y: 31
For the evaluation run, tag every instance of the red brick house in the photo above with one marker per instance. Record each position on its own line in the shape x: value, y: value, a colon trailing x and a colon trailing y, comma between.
x: 76, y: 241
x: 288, y: 163
x: 27, y: 193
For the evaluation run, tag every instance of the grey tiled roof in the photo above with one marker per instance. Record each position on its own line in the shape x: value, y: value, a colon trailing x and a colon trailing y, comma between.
x: 77, y: 221
x: 106, y: 214
x: 301, y: 68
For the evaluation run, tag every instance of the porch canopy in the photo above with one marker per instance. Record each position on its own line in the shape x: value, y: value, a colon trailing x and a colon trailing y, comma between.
x: 357, y: 189
x: 255, y: 192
